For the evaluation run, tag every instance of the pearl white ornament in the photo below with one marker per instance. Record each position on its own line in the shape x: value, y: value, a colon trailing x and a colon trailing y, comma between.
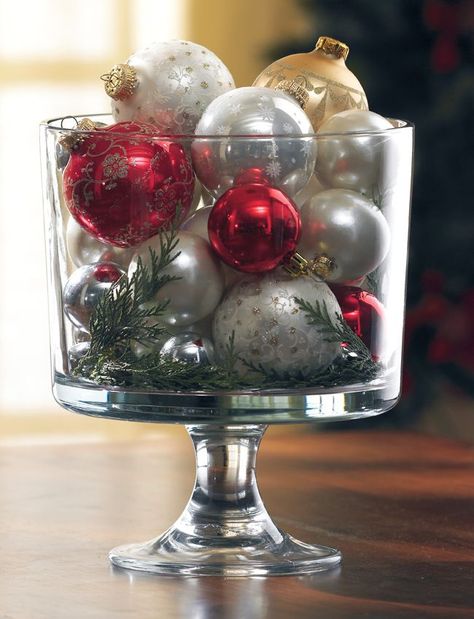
x: 197, y: 198
x: 347, y: 228
x: 197, y: 224
x: 353, y: 161
x: 269, y: 327
x: 312, y: 188
x: 200, y: 287
x: 176, y: 82
x: 85, y: 249
x: 284, y: 162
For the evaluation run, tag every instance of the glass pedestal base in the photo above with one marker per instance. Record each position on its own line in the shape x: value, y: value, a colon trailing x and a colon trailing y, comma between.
x: 175, y: 553
x: 225, y: 528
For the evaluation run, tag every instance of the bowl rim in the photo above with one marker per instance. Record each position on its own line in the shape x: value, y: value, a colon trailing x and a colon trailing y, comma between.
x: 56, y: 125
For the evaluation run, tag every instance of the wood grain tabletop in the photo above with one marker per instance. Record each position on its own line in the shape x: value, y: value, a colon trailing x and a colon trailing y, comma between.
x: 400, y: 506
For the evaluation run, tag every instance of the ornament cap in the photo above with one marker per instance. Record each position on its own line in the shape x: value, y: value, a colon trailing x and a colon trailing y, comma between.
x: 71, y: 140
x: 297, y: 91
x: 322, y: 266
x: 120, y: 82
x: 296, y: 265
x: 332, y: 46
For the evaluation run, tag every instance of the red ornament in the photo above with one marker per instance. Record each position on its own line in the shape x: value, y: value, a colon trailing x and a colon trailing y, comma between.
x: 123, y: 184
x: 107, y: 272
x: 252, y: 227
x: 363, y: 312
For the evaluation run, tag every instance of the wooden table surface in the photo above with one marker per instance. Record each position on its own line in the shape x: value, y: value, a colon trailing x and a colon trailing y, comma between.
x: 399, y: 506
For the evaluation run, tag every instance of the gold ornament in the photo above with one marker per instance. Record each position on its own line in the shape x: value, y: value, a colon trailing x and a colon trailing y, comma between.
x: 319, y: 80
x: 120, y: 82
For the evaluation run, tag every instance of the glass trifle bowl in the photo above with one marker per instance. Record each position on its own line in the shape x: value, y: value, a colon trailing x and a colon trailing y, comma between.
x: 225, y: 283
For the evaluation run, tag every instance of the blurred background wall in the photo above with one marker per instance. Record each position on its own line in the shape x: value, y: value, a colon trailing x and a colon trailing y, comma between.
x: 415, y: 60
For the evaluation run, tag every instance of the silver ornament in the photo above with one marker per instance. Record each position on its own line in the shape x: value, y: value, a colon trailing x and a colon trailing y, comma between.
x: 76, y: 352
x: 201, y: 281
x: 189, y: 347
x: 269, y: 327
x: 285, y: 161
x: 353, y: 161
x: 85, y: 287
x: 175, y: 82
x: 85, y: 249
x: 145, y: 348
x: 347, y: 228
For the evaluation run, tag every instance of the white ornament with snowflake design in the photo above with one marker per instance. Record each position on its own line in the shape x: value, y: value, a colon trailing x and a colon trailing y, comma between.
x: 270, y: 330
x: 285, y: 158
x: 173, y: 83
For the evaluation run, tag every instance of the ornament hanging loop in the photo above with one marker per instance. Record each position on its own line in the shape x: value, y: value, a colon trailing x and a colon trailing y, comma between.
x: 72, y: 140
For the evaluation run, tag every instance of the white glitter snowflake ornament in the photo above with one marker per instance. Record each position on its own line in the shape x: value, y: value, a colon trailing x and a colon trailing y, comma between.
x: 270, y: 329
x: 270, y: 125
x: 168, y: 84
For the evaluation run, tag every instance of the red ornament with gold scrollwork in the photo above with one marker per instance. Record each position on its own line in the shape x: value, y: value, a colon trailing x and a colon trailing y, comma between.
x: 123, y: 184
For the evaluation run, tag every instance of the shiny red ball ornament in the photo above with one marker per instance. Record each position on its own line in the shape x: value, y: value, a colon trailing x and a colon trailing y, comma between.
x: 253, y: 227
x: 123, y: 184
x: 364, y: 313
x: 107, y: 272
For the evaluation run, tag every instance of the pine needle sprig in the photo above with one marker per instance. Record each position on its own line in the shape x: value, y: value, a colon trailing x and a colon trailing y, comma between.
x: 121, y: 314
x: 358, y: 358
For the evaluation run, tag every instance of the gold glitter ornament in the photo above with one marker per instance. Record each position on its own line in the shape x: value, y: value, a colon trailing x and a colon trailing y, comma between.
x: 319, y: 80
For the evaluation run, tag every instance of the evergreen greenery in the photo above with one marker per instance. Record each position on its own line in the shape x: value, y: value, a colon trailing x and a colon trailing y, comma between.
x: 122, y: 317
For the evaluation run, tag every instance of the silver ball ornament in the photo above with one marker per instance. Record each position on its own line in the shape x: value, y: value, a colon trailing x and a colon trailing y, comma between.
x: 284, y: 162
x: 174, y: 83
x: 84, y: 289
x: 85, y: 249
x: 347, y: 228
x: 76, y: 352
x: 201, y: 281
x: 353, y: 161
x: 189, y: 347
x: 269, y: 327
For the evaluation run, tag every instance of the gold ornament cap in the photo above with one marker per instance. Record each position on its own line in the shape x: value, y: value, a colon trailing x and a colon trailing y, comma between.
x: 297, y: 266
x: 120, y: 82
x: 297, y: 91
x: 73, y: 139
x: 322, y: 266
x: 332, y: 46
